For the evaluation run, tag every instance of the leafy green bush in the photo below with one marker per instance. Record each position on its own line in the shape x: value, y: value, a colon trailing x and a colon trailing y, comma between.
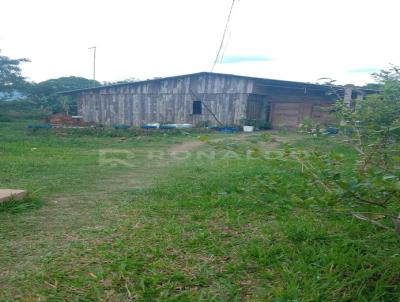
x: 369, y: 187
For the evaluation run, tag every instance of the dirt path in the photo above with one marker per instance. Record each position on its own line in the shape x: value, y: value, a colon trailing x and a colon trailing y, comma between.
x: 58, y: 224
x: 185, y: 147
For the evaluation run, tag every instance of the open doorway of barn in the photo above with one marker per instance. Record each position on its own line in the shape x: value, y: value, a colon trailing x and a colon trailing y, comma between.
x: 258, y: 109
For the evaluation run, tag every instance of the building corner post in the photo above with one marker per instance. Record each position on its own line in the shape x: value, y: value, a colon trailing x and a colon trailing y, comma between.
x: 348, y: 91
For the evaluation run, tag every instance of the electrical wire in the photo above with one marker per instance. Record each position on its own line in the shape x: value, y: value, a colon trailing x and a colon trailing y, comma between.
x: 225, y: 47
x: 223, y: 35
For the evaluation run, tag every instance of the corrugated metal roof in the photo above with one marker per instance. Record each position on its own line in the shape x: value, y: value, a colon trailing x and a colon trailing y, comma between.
x: 262, y: 81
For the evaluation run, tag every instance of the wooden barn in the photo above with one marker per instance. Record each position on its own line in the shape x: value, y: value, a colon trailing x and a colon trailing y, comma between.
x: 211, y: 98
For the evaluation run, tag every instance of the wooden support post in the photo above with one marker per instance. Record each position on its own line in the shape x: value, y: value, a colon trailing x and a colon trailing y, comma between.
x: 348, y: 90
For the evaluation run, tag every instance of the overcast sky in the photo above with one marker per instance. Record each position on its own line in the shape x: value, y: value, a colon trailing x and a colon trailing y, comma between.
x: 300, y: 40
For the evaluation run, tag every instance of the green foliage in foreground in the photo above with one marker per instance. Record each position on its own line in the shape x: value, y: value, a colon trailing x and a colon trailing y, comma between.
x: 228, y: 229
x: 369, y: 186
x: 17, y: 206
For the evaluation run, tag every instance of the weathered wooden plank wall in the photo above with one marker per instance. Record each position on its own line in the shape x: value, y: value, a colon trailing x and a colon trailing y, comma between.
x: 168, y: 100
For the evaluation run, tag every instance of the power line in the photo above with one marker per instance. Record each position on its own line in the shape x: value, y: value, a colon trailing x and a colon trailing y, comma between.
x: 216, y: 61
x: 223, y: 35
x: 225, y: 47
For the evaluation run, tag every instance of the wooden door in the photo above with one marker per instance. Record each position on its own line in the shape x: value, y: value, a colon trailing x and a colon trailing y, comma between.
x: 286, y: 114
x: 255, y: 107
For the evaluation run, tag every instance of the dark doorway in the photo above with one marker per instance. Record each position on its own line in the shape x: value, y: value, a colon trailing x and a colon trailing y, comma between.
x: 258, y: 108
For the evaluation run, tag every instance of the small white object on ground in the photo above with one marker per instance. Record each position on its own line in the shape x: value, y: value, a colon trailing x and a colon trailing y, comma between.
x: 248, y: 128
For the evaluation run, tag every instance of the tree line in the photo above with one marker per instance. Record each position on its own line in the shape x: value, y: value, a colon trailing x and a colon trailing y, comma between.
x: 44, y: 96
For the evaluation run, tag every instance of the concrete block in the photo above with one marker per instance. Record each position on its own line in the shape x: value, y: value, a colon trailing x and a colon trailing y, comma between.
x: 6, y: 194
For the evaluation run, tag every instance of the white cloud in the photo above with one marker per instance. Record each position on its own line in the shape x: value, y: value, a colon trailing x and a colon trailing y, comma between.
x: 307, y: 39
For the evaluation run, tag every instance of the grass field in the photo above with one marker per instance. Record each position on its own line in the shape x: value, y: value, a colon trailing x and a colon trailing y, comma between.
x: 121, y: 216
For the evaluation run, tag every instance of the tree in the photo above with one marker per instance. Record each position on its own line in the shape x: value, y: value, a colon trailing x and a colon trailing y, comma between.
x: 52, y: 86
x: 45, y: 94
x: 383, y: 109
x: 125, y: 81
x: 11, y: 78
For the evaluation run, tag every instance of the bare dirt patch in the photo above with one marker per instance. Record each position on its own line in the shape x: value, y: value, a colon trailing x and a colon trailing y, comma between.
x: 185, y: 147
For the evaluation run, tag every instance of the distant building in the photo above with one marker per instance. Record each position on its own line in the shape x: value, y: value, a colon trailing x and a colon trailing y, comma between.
x: 210, y: 97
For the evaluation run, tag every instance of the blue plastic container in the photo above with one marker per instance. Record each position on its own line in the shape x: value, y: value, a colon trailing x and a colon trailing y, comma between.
x: 226, y: 129
x: 122, y: 126
x: 46, y: 126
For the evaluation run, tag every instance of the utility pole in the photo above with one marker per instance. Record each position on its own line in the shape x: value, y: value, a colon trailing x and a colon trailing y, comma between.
x: 94, y: 63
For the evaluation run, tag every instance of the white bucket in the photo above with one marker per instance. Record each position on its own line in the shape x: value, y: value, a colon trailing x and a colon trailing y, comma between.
x: 248, y: 128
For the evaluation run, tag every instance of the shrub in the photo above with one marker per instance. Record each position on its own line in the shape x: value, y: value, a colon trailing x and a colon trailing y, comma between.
x: 369, y: 187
